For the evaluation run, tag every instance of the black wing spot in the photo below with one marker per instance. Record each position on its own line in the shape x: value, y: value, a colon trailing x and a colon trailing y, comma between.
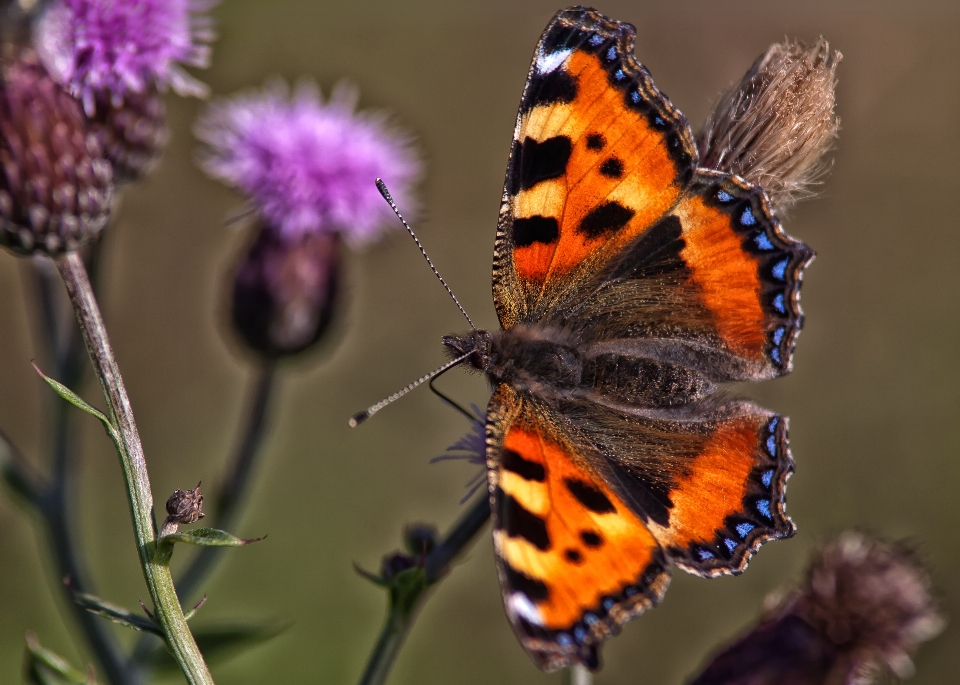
x: 517, y: 521
x: 591, y: 539
x: 589, y: 496
x: 596, y: 141
x: 534, y: 162
x: 573, y: 556
x: 536, y: 590
x: 557, y: 87
x: 535, y: 229
x: 612, y: 168
x: 528, y: 470
x: 609, y: 217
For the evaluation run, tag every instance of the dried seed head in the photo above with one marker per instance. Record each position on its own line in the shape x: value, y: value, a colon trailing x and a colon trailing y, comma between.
x: 774, y: 127
x: 132, y: 134
x: 872, y: 600
x: 56, y: 188
x: 285, y: 291
x: 185, y: 506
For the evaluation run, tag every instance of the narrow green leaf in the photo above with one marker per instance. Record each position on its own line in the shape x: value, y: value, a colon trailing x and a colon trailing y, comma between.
x: 44, y: 667
x: 77, y: 401
x: 117, y: 614
x: 219, y: 643
x: 201, y: 537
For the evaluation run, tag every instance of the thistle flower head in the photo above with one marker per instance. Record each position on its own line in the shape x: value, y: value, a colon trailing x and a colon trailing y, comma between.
x: 872, y: 600
x: 774, y: 126
x: 120, y: 46
x: 309, y: 165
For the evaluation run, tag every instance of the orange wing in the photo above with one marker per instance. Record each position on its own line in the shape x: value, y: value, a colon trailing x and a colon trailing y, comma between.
x: 590, y: 503
x: 599, y: 155
x: 575, y: 562
x: 608, y: 228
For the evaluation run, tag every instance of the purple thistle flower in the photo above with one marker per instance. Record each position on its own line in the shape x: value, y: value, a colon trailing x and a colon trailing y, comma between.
x: 471, y: 448
x: 121, y: 46
x: 309, y: 166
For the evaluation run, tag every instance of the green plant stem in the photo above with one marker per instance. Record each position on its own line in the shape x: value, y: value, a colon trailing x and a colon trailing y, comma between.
x: 65, y: 347
x: 157, y: 575
x: 399, y: 621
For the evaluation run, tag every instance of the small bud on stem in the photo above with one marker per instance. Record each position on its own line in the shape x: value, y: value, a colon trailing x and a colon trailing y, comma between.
x: 184, y: 506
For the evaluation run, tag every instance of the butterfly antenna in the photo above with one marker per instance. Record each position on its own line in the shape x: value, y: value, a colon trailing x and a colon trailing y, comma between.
x: 359, y: 418
x: 382, y: 187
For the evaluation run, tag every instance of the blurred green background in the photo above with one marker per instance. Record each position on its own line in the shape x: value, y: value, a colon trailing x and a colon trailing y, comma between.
x: 873, y: 400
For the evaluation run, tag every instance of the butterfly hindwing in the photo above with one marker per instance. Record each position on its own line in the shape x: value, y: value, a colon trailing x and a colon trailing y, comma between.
x: 708, y: 481
x: 575, y: 562
x: 599, y: 155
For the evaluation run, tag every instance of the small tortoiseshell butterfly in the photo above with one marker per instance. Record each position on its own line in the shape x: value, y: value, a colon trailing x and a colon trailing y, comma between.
x: 629, y: 283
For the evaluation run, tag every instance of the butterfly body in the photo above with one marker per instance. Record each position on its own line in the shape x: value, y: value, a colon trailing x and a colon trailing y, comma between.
x: 630, y: 285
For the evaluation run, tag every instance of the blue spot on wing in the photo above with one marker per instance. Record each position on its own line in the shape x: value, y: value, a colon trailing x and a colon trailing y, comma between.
x: 778, y: 335
x: 747, y: 218
x: 778, y: 304
x: 779, y: 270
x: 766, y: 478
x: 611, y: 54
x: 724, y: 196
x: 590, y: 619
x: 763, y: 506
x: 772, y: 446
x: 630, y: 591
x: 580, y: 633
x: 775, y: 355
x: 772, y: 426
x: 596, y: 39
x: 731, y: 544
x: 635, y: 96
x: 743, y: 529
x: 618, y: 74
x: 564, y: 640
x: 705, y: 554
x: 658, y: 121
x: 608, y: 604
x: 763, y: 242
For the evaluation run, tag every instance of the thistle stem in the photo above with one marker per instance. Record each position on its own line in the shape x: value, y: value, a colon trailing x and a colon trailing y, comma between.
x: 157, y: 575
x: 436, y: 565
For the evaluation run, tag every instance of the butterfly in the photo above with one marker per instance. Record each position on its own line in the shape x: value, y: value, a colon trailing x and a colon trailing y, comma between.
x: 630, y: 285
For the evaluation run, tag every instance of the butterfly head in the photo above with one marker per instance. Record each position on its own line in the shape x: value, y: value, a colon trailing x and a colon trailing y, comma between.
x: 477, y: 343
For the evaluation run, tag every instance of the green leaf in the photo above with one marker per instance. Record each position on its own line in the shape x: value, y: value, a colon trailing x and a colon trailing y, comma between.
x: 219, y: 643
x: 77, y: 401
x: 201, y: 537
x: 44, y: 667
x: 117, y: 614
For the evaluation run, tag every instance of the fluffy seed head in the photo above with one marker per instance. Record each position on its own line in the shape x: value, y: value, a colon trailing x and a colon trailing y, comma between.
x: 119, y: 47
x: 56, y: 188
x: 774, y: 127
x: 308, y: 165
x: 872, y: 600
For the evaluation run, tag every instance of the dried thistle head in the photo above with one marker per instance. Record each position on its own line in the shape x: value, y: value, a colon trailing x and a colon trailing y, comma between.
x: 873, y: 601
x: 864, y: 605
x: 774, y: 127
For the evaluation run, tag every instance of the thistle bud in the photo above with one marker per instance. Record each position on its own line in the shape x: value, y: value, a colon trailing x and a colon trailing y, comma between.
x: 185, y: 506
x: 285, y: 291
x: 132, y: 135
x: 864, y: 607
x: 774, y: 127
x: 56, y: 188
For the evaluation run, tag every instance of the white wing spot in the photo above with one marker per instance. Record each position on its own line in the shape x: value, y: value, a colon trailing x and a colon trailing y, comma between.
x: 549, y: 62
x: 520, y: 605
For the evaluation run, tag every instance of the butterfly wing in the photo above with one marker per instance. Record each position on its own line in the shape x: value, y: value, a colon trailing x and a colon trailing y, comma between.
x: 590, y: 503
x: 575, y: 562
x: 608, y: 228
x: 598, y: 156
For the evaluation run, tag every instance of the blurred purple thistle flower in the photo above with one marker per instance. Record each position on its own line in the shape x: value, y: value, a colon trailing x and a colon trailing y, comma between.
x: 471, y: 448
x: 119, y: 47
x: 309, y: 166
